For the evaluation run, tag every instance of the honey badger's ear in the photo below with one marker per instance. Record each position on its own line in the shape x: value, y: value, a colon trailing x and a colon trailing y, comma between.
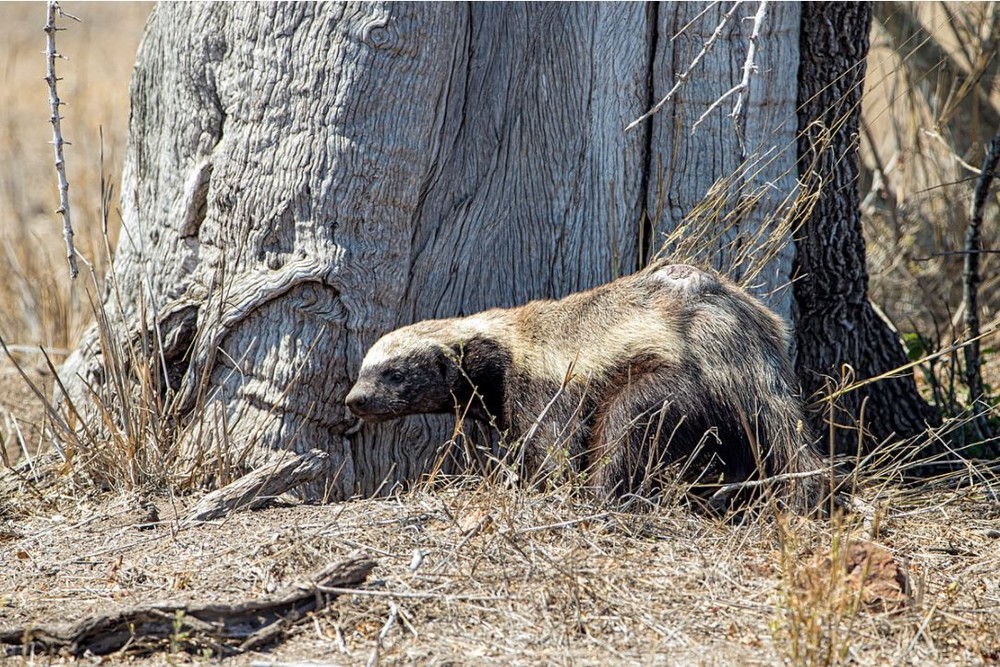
x: 445, y: 359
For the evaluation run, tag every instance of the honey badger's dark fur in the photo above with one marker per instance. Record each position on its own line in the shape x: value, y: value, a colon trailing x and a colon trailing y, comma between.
x: 671, y: 350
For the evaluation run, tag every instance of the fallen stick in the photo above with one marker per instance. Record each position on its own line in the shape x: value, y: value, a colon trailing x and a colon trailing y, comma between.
x: 259, y: 486
x: 225, y: 629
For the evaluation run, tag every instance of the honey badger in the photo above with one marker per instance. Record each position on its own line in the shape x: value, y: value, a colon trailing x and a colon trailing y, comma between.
x: 669, y: 364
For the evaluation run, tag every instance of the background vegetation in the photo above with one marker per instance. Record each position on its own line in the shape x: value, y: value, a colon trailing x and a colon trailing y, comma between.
x: 930, y: 110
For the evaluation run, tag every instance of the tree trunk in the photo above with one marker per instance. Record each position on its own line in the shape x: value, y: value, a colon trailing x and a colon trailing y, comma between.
x: 303, y: 178
x: 839, y: 334
x: 733, y: 204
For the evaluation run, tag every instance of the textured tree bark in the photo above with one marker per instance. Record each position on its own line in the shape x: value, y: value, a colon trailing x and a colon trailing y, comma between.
x: 838, y: 332
x: 303, y: 178
x: 753, y: 185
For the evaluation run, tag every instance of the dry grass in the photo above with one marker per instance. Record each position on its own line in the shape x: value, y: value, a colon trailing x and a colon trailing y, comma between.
x: 38, y: 303
x: 481, y: 572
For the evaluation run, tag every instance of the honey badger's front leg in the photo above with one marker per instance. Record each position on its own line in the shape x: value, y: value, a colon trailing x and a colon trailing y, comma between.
x: 657, y: 418
x: 548, y: 429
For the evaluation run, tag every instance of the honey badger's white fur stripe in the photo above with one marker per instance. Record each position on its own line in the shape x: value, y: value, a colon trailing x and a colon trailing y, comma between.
x: 391, y: 347
x: 670, y: 342
x: 589, y: 351
x: 594, y: 351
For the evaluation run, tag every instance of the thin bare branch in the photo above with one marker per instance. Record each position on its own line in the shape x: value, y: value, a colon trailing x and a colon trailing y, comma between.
x: 738, y: 88
x: 743, y: 87
x: 683, y: 76
x: 749, y: 67
x: 727, y: 489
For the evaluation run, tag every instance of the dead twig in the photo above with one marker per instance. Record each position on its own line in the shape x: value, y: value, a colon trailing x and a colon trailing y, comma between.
x: 727, y: 489
x: 391, y: 621
x: 259, y: 486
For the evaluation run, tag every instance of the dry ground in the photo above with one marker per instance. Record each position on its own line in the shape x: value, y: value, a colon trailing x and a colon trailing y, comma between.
x: 478, y: 573
x: 484, y: 575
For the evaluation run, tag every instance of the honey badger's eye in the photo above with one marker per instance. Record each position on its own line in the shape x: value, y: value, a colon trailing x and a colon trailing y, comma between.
x: 393, y: 376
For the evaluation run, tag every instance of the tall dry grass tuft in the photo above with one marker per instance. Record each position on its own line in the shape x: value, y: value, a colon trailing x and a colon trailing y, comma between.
x: 39, y: 305
x: 126, y: 443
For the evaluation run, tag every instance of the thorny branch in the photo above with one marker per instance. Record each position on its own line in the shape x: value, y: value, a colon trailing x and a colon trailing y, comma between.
x: 749, y: 67
x: 741, y: 89
x: 57, y: 138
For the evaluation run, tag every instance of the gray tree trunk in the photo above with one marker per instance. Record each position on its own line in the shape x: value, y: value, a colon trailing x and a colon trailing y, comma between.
x: 303, y: 178
x: 742, y: 226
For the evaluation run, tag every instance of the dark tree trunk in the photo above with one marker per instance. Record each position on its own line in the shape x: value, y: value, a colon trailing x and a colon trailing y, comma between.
x: 838, y: 332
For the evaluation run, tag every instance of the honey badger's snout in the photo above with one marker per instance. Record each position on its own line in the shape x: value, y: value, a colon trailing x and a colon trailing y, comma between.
x: 367, y: 400
x: 371, y: 400
x: 357, y: 399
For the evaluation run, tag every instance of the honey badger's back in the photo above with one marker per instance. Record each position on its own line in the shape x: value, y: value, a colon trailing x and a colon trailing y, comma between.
x: 642, y: 368
x: 737, y: 354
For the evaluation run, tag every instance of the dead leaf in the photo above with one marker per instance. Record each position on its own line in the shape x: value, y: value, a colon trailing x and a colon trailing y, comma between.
x: 866, y: 570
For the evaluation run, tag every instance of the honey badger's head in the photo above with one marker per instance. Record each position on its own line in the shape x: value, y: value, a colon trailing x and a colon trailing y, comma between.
x: 428, y: 367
